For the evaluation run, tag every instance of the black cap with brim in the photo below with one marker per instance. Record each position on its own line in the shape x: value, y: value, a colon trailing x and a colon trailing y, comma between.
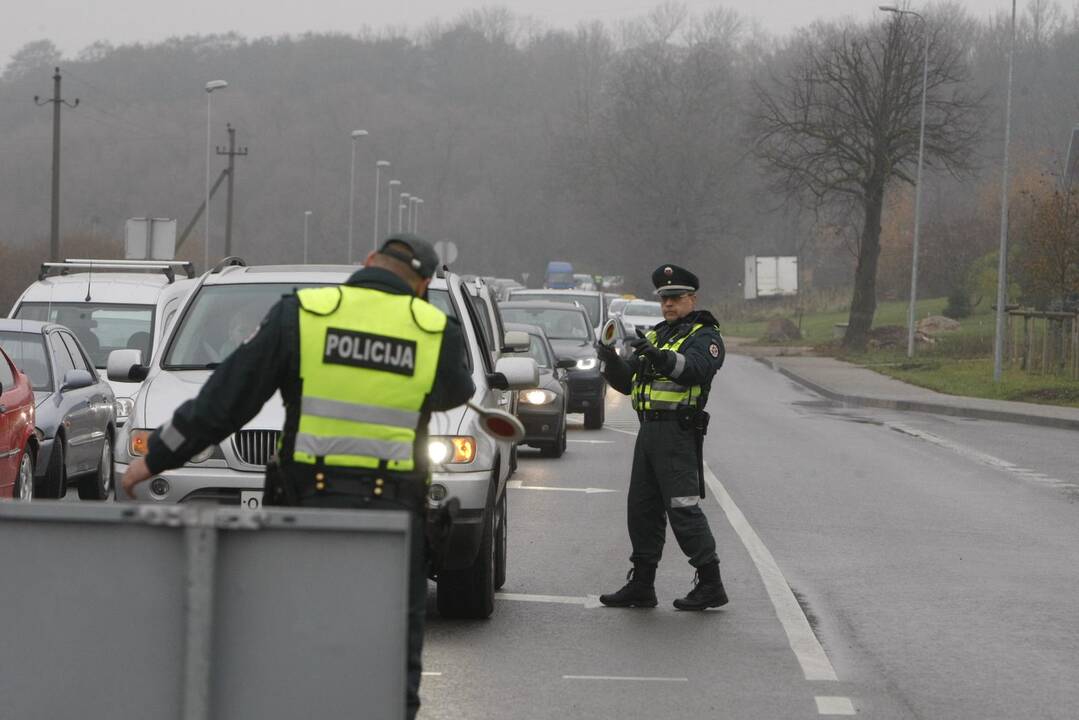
x: 420, y: 256
x: 674, y: 280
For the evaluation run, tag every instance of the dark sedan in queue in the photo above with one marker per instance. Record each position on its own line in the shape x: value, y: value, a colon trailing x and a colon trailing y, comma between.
x: 75, y: 409
x: 572, y: 337
x: 542, y: 409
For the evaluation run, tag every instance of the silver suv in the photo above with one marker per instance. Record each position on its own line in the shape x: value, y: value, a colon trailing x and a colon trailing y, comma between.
x: 466, y: 463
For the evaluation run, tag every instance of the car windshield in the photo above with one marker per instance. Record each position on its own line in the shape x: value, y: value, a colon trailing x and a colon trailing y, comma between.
x: 538, y: 351
x: 590, y: 303
x: 441, y: 300
x: 568, y: 324
x: 27, y: 351
x: 219, y: 319
x: 617, y: 305
x: 99, y: 327
x: 643, y: 308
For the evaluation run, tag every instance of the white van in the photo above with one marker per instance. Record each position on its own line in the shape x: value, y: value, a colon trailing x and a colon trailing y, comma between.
x: 109, y: 305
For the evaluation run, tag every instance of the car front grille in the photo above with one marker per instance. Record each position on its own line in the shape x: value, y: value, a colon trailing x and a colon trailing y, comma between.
x: 255, y: 447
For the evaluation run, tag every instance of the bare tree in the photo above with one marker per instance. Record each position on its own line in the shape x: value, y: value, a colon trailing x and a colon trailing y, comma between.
x: 842, y: 123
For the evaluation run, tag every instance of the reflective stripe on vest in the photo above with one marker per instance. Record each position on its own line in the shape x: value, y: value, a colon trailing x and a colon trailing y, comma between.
x: 662, y: 393
x: 367, y: 363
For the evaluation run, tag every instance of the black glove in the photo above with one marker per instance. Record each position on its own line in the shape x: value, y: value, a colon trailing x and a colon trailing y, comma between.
x: 642, y: 347
x: 606, y: 353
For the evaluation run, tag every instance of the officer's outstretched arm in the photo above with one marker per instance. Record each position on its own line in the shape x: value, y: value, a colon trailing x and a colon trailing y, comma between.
x: 234, y: 394
x: 453, y: 380
x: 617, y: 372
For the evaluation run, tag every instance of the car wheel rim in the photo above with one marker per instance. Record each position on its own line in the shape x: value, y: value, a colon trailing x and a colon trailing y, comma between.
x: 105, y: 471
x: 26, y: 479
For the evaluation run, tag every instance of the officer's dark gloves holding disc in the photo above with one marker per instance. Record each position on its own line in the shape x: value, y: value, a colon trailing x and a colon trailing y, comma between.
x: 643, y: 348
x: 606, y: 353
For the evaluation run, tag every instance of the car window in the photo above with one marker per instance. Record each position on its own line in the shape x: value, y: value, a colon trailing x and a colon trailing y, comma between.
x: 484, y: 315
x: 568, y: 324
x: 645, y: 308
x: 60, y: 356
x: 76, y: 355
x: 590, y: 303
x: 219, y: 319
x: 537, y: 350
x: 100, y: 327
x: 477, y: 329
x: 441, y: 299
x: 7, y: 378
x: 27, y: 352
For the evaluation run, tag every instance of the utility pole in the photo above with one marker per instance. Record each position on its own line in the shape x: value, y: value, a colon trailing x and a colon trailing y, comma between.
x: 231, y: 172
x: 57, y: 101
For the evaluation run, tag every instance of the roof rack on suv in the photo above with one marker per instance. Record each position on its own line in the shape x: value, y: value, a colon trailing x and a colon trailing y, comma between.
x: 168, y: 267
x: 230, y: 261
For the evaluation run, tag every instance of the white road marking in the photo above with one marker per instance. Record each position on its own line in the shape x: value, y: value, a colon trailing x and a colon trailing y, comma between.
x: 828, y: 705
x: 518, y: 485
x: 431, y: 674
x: 588, y: 601
x: 619, y: 430
x: 811, y: 656
x: 593, y: 442
x: 979, y: 457
x: 623, y: 677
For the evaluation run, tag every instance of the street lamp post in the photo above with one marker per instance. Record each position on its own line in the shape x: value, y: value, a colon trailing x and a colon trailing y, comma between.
x: 389, y: 207
x: 403, y: 199
x: 210, y: 87
x: 1002, y: 261
x: 355, y: 135
x: 378, y: 184
x: 416, y: 217
x: 306, y: 217
x: 918, y: 178
x: 412, y: 204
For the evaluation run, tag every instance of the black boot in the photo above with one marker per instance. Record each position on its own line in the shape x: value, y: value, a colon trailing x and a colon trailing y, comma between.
x: 707, y: 590
x: 638, y: 592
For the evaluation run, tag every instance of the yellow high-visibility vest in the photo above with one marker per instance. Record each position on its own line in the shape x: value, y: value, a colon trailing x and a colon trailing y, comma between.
x: 660, y: 392
x: 367, y: 362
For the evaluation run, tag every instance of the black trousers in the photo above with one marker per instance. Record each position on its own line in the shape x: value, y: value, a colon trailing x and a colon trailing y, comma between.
x: 417, y: 571
x: 663, y: 486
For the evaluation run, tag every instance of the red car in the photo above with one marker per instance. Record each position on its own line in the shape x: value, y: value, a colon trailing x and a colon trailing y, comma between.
x: 18, y: 444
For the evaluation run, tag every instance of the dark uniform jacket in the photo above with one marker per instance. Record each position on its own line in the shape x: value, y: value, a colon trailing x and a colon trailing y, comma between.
x: 695, y: 363
x: 269, y: 361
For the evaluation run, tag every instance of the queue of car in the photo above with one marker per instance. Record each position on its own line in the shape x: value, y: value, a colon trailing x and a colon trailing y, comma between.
x: 99, y: 353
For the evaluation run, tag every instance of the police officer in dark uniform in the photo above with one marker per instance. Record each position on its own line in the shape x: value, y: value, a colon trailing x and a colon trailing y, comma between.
x: 669, y: 377
x: 360, y: 367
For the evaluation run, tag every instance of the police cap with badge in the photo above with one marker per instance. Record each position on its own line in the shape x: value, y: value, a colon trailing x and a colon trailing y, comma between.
x: 671, y: 280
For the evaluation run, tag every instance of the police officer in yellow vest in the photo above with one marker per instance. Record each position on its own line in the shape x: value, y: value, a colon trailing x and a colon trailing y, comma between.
x: 360, y: 367
x: 669, y: 376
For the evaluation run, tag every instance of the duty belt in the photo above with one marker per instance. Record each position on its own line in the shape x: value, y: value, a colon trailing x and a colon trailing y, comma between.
x: 657, y: 415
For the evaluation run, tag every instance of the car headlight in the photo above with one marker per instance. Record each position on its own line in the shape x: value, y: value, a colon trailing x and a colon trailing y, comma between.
x: 587, y: 363
x: 123, y: 406
x: 451, y: 449
x: 139, y: 442
x: 536, y: 396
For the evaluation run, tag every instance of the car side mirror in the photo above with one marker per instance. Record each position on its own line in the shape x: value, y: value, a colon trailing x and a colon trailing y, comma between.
x: 565, y: 363
x: 76, y: 380
x: 514, y: 374
x: 515, y: 341
x: 126, y: 366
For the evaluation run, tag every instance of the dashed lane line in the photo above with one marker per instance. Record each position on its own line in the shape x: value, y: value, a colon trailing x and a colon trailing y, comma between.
x: 831, y: 705
x: 519, y: 485
x: 625, y: 677
x: 588, y: 601
x: 807, y: 649
x: 980, y: 457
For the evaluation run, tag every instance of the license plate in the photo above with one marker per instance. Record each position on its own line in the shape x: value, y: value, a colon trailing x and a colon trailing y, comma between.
x: 251, y: 499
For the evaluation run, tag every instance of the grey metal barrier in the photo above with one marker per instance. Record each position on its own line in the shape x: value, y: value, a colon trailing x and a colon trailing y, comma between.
x: 199, y: 613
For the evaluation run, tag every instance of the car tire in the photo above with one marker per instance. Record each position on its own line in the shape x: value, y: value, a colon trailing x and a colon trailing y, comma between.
x: 55, y: 483
x: 470, y: 592
x: 593, y: 418
x: 557, y: 447
x: 96, y: 485
x: 502, y: 536
x: 24, y: 481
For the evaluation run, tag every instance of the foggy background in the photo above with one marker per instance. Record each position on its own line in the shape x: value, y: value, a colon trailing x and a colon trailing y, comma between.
x: 617, y: 144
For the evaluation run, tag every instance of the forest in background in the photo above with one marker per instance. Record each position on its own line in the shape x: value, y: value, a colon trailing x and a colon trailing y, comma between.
x: 614, y: 147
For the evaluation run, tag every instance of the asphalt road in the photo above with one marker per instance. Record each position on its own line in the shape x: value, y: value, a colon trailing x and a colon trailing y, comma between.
x: 887, y: 564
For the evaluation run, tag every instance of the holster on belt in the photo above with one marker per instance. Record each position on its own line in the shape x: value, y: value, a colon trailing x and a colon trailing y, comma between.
x: 690, y: 418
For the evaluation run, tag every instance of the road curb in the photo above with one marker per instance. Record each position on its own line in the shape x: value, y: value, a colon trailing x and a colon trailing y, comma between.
x: 921, y: 406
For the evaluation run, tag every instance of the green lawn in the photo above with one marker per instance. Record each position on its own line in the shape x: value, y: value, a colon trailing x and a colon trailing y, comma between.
x: 960, y: 363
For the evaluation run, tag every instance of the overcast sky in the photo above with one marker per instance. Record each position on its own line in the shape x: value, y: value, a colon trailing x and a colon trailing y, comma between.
x: 74, y: 24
